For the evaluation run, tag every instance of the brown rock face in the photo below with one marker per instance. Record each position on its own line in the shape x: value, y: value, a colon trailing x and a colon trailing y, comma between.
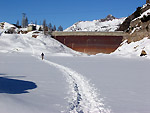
x: 139, y: 30
x: 147, y: 1
x: 137, y: 27
x: 143, y: 53
x: 126, y: 24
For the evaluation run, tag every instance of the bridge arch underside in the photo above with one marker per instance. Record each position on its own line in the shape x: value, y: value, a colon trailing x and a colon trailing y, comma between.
x: 91, y: 44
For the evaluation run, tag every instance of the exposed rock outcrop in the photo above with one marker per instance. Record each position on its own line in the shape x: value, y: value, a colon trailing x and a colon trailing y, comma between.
x: 137, y: 25
x: 125, y: 25
x: 139, y: 30
x: 143, y: 53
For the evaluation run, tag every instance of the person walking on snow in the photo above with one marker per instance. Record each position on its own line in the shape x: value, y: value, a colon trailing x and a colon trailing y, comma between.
x: 42, y: 55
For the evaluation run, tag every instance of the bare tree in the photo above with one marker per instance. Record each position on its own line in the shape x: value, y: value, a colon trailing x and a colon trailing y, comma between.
x: 54, y: 28
x: 17, y: 23
x: 44, y: 26
x: 23, y: 19
x: 35, y: 22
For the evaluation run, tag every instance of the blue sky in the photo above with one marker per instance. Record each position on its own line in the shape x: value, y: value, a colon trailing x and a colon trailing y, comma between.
x: 65, y: 12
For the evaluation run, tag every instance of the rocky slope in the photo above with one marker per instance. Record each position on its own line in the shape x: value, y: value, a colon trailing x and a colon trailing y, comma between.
x: 137, y: 25
x: 109, y: 24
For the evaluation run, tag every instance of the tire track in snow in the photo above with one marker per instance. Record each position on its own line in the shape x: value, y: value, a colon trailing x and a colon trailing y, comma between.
x: 83, y: 98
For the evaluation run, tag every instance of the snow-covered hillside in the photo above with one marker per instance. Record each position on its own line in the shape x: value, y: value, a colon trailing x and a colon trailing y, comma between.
x: 110, y: 23
x: 32, y: 85
x: 31, y: 42
x: 25, y: 43
x: 134, y: 48
x: 4, y: 26
x: 138, y: 39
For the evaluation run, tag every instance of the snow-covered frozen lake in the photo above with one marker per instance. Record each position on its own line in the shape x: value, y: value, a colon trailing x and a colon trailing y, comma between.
x: 95, y: 84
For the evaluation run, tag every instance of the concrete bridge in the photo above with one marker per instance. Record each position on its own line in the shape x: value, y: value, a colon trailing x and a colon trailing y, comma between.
x: 91, y: 42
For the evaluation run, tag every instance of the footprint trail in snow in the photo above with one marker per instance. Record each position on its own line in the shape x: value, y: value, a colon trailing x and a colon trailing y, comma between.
x: 83, y: 98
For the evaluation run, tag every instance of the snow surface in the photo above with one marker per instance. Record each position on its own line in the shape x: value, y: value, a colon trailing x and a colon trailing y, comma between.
x: 122, y: 83
x: 70, y: 82
x: 47, y: 97
x: 6, y: 26
x: 134, y: 48
x: 25, y: 43
x: 99, y: 84
x: 96, y: 25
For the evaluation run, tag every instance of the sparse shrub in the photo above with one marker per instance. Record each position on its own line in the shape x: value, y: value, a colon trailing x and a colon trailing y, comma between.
x: 132, y: 28
x: 147, y: 28
x: 145, y: 18
x: 40, y: 29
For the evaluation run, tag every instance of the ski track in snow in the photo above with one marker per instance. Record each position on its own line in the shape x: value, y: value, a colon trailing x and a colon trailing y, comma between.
x: 83, y: 98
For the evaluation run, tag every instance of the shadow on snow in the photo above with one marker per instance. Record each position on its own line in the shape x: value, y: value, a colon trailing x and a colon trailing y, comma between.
x: 13, y: 86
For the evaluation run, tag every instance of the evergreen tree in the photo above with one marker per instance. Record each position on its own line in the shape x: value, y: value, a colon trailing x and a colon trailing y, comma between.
x: 54, y: 28
x: 50, y: 27
x: 26, y: 22
x: 60, y: 28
